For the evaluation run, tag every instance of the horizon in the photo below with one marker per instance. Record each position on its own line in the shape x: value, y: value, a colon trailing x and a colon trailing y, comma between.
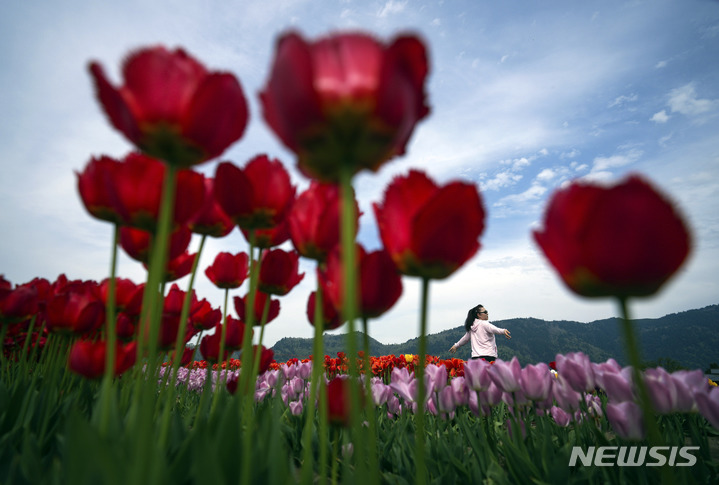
x: 523, y: 99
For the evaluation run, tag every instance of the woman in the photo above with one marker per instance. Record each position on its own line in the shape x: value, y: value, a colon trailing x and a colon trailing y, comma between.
x: 481, y: 333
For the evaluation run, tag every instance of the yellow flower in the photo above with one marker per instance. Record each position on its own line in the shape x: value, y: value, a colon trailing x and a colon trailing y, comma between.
x: 410, y: 358
x: 712, y: 383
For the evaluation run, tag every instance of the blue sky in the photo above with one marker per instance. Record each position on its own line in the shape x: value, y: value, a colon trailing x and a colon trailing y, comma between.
x: 524, y: 97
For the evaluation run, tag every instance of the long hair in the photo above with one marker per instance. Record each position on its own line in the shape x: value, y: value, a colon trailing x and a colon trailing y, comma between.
x: 471, y: 317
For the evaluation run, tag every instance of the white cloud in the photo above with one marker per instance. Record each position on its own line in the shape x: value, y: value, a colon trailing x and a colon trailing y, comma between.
x: 533, y: 193
x: 622, y: 100
x: 436, y: 22
x: 391, y: 7
x: 684, y: 100
x: 602, y: 164
x: 573, y: 153
x: 546, y: 175
x: 501, y: 180
x: 660, y: 117
x: 661, y: 64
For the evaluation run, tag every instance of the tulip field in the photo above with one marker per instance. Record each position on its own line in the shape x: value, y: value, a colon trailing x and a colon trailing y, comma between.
x: 98, y: 379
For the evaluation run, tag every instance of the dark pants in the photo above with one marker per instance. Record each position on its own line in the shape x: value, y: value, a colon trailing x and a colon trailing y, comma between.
x: 488, y: 358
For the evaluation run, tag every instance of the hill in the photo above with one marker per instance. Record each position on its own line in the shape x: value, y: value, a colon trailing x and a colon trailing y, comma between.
x: 688, y: 339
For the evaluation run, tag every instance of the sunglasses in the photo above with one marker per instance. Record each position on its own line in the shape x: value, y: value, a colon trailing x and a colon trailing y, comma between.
x: 484, y: 311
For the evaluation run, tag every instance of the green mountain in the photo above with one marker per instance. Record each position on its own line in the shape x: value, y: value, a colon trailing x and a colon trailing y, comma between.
x: 688, y: 339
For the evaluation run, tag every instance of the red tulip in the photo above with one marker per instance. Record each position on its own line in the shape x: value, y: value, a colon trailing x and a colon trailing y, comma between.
x: 228, y: 270
x: 430, y: 231
x: 314, y: 221
x: 259, y: 306
x: 269, y: 238
x: 18, y: 304
x: 339, y: 402
x: 379, y: 284
x: 186, y: 357
x: 346, y: 98
x: 331, y: 318
x: 279, y: 272
x: 92, y: 185
x: 125, y: 326
x: 77, y: 309
x: 203, y: 316
x: 624, y: 240
x: 171, y: 107
x: 88, y: 358
x: 178, y: 267
x: 124, y: 292
x: 136, y: 243
x: 210, y: 347
x: 267, y: 356
x: 256, y: 197
x: 175, y: 298
x: 235, y: 333
x: 211, y: 220
x: 234, y: 336
x: 134, y: 189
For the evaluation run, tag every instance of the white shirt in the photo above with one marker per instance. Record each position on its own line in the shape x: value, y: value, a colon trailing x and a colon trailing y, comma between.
x: 482, y: 336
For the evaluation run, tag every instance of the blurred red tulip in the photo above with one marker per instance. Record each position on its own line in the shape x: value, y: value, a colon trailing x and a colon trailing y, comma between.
x: 331, y: 318
x: 171, y: 107
x: 269, y: 238
x: 135, y: 188
x: 430, y: 231
x: 211, y: 220
x: 314, y: 221
x: 175, y: 298
x: 279, y: 272
x: 178, y: 267
x: 136, y: 243
x: 339, y: 402
x: 88, y: 358
x: 124, y: 292
x: 623, y: 240
x: 260, y: 300
x: 379, y: 283
x: 19, y: 303
x: 125, y: 326
x: 256, y: 197
x: 76, y: 309
x: 203, y: 316
x: 267, y: 356
x: 228, y: 270
x: 92, y: 185
x: 235, y: 333
x: 210, y: 347
x: 345, y: 99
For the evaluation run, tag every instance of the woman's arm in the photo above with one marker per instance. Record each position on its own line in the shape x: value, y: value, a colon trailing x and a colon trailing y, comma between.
x: 497, y: 330
x: 460, y: 343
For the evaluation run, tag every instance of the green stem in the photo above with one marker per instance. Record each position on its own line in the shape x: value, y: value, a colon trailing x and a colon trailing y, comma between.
x: 106, y: 394
x: 142, y: 412
x: 258, y: 354
x: 179, y: 342
x: 370, y: 409
x: 246, y: 365
x: 316, y: 381
x: 349, y: 308
x: 247, y: 388
x: 650, y: 422
x: 28, y: 337
x: 223, y: 338
x: 420, y: 477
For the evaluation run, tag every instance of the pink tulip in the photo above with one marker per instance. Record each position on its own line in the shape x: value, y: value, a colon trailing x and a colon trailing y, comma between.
x: 506, y: 375
x: 626, y: 419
